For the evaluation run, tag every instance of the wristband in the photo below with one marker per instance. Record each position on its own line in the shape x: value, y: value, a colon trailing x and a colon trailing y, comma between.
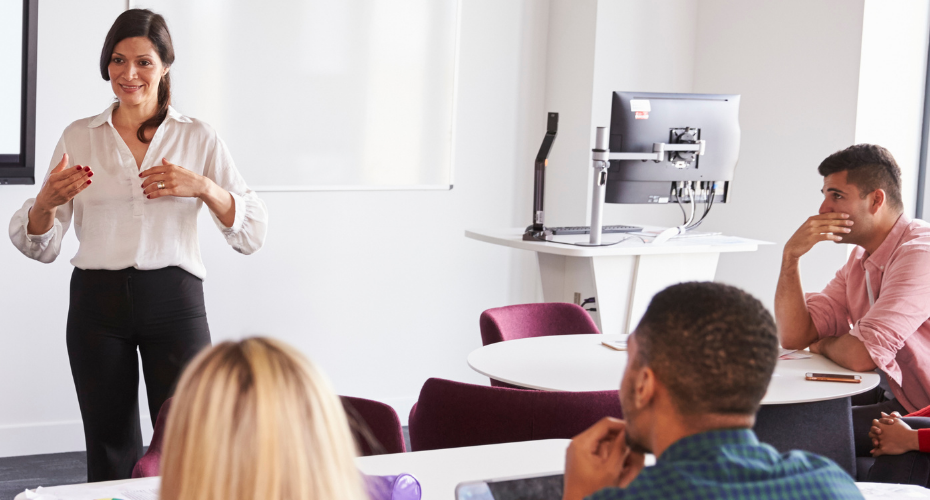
x: 923, y: 440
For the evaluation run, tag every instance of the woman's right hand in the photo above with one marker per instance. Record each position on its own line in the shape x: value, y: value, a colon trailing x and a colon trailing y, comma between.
x: 62, y: 185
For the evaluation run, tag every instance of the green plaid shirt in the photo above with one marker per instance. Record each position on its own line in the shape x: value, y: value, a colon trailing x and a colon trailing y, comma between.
x: 732, y: 464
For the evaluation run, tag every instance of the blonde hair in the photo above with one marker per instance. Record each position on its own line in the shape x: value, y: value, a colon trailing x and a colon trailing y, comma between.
x: 256, y: 420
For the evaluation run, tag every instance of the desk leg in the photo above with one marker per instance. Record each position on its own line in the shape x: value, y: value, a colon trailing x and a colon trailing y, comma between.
x: 563, y: 276
x: 822, y: 427
x: 623, y: 285
x: 655, y: 273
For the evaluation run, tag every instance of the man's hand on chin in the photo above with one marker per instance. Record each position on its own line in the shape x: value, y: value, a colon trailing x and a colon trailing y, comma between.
x: 599, y: 458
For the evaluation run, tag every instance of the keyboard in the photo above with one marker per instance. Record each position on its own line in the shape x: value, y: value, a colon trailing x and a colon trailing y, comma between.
x: 587, y: 229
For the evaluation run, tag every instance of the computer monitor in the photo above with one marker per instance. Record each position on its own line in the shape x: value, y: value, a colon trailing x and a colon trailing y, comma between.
x: 638, y: 120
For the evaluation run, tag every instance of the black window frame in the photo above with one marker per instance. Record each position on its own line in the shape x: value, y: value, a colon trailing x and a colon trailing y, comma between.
x: 20, y: 169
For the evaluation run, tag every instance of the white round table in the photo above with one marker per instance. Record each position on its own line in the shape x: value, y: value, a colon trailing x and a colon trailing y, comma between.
x: 580, y: 363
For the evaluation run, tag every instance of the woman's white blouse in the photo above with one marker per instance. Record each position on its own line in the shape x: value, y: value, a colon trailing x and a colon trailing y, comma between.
x: 117, y: 226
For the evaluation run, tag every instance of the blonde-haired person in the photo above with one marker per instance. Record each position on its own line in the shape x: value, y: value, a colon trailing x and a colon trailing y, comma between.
x: 256, y: 420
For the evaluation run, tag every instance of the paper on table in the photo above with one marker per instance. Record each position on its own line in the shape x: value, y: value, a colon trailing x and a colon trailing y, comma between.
x: 789, y: 354
x: 617, y: 345
x: 144, y: 489
x: 886, y: 491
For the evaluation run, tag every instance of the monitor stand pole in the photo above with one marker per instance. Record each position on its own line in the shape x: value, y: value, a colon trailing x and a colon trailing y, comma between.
x: 600, y: 164
x: 537, y: 231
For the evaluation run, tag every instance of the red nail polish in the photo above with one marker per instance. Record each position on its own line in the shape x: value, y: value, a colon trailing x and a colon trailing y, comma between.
x: 89, y: 181
x: 87, y: 169
x: 78, y: 167
x: 140, y: 174
x: 149, y: 196
x: 91, y: 174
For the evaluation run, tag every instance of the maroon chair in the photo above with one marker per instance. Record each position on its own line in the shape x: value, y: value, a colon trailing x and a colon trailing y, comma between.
x: 453, y: 414
x: 533, y: 320
x: 148, y: 465
x: 375, y: 427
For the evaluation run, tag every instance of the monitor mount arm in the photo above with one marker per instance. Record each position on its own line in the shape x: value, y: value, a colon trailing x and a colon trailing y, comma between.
x: 659, y: 150
x: 601, y: 155
x: 537, y: 231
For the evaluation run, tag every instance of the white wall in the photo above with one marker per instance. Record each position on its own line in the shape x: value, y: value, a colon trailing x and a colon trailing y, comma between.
x: 382, y: 289
x: 891, y: 84
x: 796, y: 64
x: 641, y: 47
x: 568, y: 85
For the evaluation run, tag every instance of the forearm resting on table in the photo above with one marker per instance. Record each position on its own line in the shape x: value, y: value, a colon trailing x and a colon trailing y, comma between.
x: 40, y: 220
x: 220, y: 202
x: 795, y: 328
x: 848, y: 352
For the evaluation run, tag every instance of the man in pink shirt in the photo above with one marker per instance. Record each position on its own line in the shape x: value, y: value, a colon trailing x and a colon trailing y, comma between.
x: 876, y: 312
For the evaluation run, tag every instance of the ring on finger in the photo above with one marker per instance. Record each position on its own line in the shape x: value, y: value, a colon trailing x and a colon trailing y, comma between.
x: 161, y: 184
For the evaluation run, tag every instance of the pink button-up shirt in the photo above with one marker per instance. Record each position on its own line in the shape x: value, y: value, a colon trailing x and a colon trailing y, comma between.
x: 883, y: 300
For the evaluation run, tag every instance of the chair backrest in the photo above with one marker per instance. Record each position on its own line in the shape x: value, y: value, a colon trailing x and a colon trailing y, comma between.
x: 534, y: 320
x: 452, y: 414
x: 148, y: 465
x: 375, y: 426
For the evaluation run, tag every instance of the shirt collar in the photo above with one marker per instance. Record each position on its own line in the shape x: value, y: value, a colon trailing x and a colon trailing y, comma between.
x: 107, y: 116
x: 888, y: 246
x: 706, y: 444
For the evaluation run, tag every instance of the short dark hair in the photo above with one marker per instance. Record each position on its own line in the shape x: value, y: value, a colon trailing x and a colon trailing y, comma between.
x: 868, y: 167
x: 713, y: 346
x: 143, y: 23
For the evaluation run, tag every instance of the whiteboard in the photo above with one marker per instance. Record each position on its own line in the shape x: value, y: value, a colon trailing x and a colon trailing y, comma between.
x: 11, y: 78
x: 321, y: 94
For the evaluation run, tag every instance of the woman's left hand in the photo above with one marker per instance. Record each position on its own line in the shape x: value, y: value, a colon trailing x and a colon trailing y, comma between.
x: 177, y: 181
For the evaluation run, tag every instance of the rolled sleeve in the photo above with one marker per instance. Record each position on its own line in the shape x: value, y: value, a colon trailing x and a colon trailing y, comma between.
x: 828, y: 309
x: 247, y: 234
x: 902, y: 306
x: 250, y: 225
x: 41, y: 247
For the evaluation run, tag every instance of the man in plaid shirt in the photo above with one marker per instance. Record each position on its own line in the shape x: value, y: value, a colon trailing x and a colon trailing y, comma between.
x: 699, y: 364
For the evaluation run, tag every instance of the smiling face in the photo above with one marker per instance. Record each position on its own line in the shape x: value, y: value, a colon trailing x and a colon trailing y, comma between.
x: 841, y: 197
x: 135, y: 70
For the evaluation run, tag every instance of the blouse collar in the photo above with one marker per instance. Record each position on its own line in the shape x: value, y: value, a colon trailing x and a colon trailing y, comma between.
x: 107, y: 116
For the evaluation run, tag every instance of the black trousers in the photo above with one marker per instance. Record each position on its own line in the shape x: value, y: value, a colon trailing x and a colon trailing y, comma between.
x: 867, y: 407
x: 912, y: 467
x: 112, y: 313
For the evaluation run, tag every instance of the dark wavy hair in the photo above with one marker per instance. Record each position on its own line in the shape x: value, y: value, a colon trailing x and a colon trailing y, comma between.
x: 145, y: 23
x: 713, y: 346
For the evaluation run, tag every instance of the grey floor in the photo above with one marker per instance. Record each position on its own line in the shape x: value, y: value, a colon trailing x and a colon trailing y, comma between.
x: 19, y: 473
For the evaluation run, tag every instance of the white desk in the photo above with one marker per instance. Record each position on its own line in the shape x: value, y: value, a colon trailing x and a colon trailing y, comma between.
x: 796, y: 413
x: 439, y: 471
x: 580, y: 363
x: 623, y: 277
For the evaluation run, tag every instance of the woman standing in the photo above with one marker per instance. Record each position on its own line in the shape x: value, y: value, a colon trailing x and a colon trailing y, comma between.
x: 133, y: 179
